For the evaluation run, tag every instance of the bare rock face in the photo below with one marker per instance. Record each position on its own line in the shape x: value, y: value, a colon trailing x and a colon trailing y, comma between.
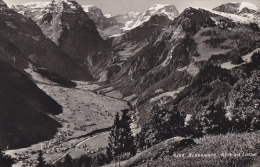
x: 138, y: 34
x: 80, y: 37
x: 97, y: 16
x: 36, y: 48
x: 68, y: 25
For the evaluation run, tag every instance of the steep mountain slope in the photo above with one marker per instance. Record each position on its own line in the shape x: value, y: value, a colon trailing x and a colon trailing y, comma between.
x: 23, y: 34
x: 136, y: 33
x: 242, y: 9
x: 141, y: 32
x: 66, y: 24
x: 12, y: 55
x: 23, y: 110
x: 179, y: 61
x: 115, y: 25
x: 97, y: 16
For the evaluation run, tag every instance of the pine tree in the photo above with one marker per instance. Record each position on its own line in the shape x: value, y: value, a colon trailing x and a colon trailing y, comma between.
x: 84, y: 161
x: 114, y: 145
x: 98, y: 160
x: 6, y: 160
x: 162, y: 124
x: 68, y: 161
x: 109, y: 152
x: 41, y: 162
x: 214, y: 120
x: 126, y: 135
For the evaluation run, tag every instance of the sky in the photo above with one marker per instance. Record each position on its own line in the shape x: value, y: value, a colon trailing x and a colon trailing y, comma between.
x: 123, y: 6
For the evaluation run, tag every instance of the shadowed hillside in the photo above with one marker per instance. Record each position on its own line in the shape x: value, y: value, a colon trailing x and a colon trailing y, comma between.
x: 23, y: 110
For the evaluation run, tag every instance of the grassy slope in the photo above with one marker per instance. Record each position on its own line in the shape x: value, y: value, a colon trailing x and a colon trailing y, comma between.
x: 230, y: 143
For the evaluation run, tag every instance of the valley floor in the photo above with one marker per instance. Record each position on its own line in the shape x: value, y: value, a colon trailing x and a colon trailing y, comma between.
x: 84, y: 111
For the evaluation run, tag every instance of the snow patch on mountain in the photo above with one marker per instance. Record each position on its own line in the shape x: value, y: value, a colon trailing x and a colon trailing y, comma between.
x: 116, y: 35
x: 247, y: 58
x: 235, y: 17
x: 172, y: 94
x: 108, y: 15
x: 168, y: 58
x: 37, y: 5
x: 87, y: 8
x: 228, y: 65
x: 244, y: 9
x: 192, y: 69
x: 247, y: 5
x: 167, y: 10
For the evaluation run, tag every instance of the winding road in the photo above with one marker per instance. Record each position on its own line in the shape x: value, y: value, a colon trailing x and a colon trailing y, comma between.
x: 77, y: 145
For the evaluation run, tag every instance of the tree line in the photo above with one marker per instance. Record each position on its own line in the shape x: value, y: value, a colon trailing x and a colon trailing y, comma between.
x: 121, y: 145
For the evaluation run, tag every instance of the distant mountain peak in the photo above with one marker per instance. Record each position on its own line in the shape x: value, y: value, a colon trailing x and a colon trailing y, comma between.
x: 166, y: 9
x: 58, y: 1
x: 68, y: 5
x: 93, y: 10
x: 243, y: 5
x: 36, y: 4
x: 158, y: 9
x: 236, y: 7
x: 244, y: 9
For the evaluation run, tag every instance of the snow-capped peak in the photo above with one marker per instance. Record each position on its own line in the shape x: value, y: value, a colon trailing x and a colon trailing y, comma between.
x: 68, y: 6
x: 244, y: 9
x: 67, y: 1
x: 72, y: 5
x: 36, y: 5
x: 158, y: 9
x: 247, y: 5
x: 236, y: 7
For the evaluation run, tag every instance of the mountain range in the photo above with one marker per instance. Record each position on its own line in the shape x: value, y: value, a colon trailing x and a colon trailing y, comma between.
x: 242, y: 9
x: 191, y: 60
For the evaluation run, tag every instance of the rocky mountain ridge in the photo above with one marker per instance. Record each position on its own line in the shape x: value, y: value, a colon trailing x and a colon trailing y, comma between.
x: 36, y: 49
x: 109, y: 26
x: 66, y: 24
x: 244, y: 9
x: 170, y: 63
x: 169, y: 11
x: 195, y: 62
